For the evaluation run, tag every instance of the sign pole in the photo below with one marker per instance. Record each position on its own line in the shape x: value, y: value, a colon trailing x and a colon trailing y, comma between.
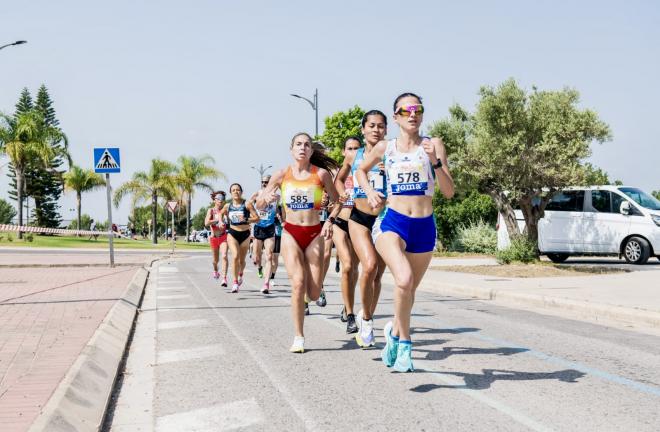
x: 112, y: 234
x: 172, y: 210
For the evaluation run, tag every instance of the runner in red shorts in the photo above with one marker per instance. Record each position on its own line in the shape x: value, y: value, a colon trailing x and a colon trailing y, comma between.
x: 218, y: 238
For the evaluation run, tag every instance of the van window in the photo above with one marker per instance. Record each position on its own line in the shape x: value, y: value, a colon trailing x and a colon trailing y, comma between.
x: 601, y: 201
x: 567, y: 201
x: 641, y: 198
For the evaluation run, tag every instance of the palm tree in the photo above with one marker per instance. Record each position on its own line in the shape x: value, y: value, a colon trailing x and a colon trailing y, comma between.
x: 25, y: 138
x: 193, y: 173
x: 159, y: 181
x: 81, y: 180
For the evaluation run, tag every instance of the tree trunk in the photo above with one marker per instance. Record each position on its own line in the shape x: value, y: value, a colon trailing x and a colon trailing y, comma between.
x: 78, y: 209
x: 154, y: 209
x: 19, y: 197
x: 532, y: 214
x: 504, y: 206
x: 188, y: 218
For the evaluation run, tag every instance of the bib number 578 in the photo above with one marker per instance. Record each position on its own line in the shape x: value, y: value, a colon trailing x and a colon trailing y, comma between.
x: 407, y: 177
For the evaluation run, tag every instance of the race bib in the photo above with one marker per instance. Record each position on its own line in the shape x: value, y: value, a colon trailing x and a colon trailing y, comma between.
x: 408, y: 179
x: 237, y: 216
x: 376, y: 181
x: 299, y: 199
x: 265, y: 214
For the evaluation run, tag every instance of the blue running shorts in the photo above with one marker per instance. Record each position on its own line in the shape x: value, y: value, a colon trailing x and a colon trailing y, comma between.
x: 419, y: 234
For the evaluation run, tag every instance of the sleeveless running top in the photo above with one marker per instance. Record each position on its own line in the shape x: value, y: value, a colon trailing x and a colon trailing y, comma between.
x: 376, y: 178
x: 215, y: 229
x: 302, y: 194
x: 267, y: 215
x: 349, y: 187
x: 238, y: 215
x: 408, y: 173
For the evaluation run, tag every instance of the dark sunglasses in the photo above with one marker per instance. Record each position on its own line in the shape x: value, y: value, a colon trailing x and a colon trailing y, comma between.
x: 406, y: 110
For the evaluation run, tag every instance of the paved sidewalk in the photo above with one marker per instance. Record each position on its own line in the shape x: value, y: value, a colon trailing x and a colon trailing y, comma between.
x: 47, y: 316
x: 630, y: 299
x: 78, y: 258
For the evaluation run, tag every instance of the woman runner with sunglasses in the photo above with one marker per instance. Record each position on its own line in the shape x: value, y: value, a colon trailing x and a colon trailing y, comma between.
x: 342, y: 239
x: 218, y: 239
x: 240, y: 214
x: 405, y: 232
x: 302, y: 185
x: 362, y: 218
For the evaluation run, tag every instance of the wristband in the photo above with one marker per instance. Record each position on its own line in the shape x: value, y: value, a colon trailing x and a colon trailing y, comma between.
x: 331, y: 220
x: 438, y: 164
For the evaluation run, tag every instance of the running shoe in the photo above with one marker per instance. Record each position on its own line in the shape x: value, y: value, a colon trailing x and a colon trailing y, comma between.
x: 389, y: 353
x: 322, y: 301
x: 365, y: 337
x: 234, y: 288
x: 403, y: 361
x: 265, y: 289
x: 260, y: 272
x: 216, y: 275
x: 224, y: 281
x: 298, y: 345
x: 240, y: 279
x: 272, y: 275
x: 351, y: 326
x: 342, y: 314
x: 306, y: 308
x: 336, y: 266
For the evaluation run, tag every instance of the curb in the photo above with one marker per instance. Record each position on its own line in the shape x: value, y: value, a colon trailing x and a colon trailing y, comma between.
x: 80, y: 400
x: 135, y: 264
x: 577, y: 308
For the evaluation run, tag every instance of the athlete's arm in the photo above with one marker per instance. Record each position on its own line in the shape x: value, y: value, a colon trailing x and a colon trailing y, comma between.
x: 342, y: 175
x: 370, y: 160
x: 435, y: 149
x: 329, y: 187
x: 269, y: 194
x: 254, y: 217
x: 207, y: 219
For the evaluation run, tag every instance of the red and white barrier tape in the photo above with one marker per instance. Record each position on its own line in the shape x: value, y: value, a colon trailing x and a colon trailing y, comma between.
x: 41, y: 230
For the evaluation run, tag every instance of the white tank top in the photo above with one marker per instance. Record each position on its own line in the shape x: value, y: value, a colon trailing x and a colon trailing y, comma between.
x: 408, y: 173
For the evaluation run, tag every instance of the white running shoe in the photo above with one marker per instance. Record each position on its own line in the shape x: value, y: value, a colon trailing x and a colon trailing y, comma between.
x: 234, y: 288
x: 365, y: 337
x: 298, y: 345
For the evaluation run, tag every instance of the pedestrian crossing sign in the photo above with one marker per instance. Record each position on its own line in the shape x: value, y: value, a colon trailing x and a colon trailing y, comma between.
x: 106, y: 160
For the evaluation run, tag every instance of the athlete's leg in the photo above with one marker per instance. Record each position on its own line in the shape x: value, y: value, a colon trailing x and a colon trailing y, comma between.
x: 378, y: 284
x: 224, y: 246
x: 269, y: 244
x: 256, y: 252
x: 294, y: 262
x: 234, y: 248
x: 314, y: 267
x: 366, y: 253
x: 243, y: 252
x: 391, y: 247
x: 345, y: 254
x: 216, y: 254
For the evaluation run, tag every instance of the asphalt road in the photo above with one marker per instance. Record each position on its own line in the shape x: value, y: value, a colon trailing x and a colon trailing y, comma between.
x: 203, y: 359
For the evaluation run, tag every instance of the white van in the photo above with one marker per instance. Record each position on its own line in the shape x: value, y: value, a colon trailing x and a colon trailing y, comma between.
x: 599, y: 220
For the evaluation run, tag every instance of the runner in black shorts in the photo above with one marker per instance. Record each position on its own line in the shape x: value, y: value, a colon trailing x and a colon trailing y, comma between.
x: 264, y: 235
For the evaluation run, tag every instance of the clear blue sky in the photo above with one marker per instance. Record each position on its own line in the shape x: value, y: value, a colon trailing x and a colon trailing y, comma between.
x: 165, y: 78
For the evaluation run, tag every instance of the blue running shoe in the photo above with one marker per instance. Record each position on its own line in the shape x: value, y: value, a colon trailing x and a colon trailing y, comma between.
x: 404, y: 357
x: 389, y: 353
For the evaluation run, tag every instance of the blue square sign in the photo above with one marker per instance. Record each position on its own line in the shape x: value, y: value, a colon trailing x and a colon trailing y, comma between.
x: 106, y: 160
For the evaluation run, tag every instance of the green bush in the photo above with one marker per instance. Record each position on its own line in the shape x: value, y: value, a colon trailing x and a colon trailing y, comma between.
x: 29, y: 237
x: 521, y: 249
x: 10, y: 237
x: 463, y: 209
x: 479, y: 237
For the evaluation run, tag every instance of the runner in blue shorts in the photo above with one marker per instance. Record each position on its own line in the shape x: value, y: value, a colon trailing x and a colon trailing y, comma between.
x: 405, y: 232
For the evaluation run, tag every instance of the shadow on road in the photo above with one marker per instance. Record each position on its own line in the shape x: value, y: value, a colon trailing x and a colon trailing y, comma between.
x: 489, y: 376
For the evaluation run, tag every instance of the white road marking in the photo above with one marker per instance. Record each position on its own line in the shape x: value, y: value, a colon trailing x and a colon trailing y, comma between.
x: 177, y: 308
x: 181, y: 324
x: 189, y: 354
x: 173, y: 297
x: 163, y: 269
x: 171, y: 288
x: 306, y: 415
x: 233, y: 415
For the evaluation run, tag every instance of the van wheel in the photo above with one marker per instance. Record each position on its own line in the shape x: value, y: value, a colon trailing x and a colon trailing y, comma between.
x: 636, y: 250
x: 557, y: 257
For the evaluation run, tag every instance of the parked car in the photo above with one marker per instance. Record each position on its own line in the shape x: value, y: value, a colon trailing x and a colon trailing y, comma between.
x: 202, y: 236
x: 597, y: 220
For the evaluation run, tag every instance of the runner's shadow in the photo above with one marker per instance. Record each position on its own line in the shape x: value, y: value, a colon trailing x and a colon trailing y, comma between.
x: 347, y: 345
x: 457, y: 330
x: 489, y: 376
x: 446, y: 352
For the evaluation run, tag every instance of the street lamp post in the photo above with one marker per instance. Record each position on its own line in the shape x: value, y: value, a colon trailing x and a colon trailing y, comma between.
x: 20, y: 42
x: 315, y: 106
x: 261, y: 170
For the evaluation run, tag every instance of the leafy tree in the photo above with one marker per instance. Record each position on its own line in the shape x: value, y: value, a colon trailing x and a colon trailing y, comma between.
x: 81, y: 180
x: 25, y: 139
x: 7, y: 212
x: 518, y: 147
x: 193, y: 173
x: 464, y: 209
x: 340, y: 126
x: 144, y: 186
x: 198, y: 220
x: 83, y: 221
x: 656, y: 194
x: 42, y: 182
